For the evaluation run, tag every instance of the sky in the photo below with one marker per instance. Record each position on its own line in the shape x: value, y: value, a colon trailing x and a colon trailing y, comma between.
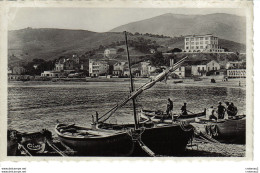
x: 94, y: 19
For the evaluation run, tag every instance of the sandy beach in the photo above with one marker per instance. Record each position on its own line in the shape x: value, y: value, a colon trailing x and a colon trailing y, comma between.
x: 231, y: 83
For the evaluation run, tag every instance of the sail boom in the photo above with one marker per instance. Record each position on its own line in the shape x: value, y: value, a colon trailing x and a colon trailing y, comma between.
x: 148, y: 85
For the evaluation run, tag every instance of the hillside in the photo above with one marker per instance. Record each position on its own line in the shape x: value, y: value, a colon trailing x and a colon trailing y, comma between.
x: 225, y: 26
x: 28, y: 44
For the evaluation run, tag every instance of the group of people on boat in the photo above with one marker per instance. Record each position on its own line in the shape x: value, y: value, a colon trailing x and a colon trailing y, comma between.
x: 230, y: 110
x: 211, y: 113
x: 169, y: 109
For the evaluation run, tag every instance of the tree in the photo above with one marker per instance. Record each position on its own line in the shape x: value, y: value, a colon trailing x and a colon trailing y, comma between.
x: 120, y: 50
x: 175, y: 50
x: 158, y: 59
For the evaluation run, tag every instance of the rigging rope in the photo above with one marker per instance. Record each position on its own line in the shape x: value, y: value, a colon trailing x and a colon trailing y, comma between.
x: 144, y: 87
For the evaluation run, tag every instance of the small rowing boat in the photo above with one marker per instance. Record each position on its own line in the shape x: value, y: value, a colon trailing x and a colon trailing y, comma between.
x: 160, y: 116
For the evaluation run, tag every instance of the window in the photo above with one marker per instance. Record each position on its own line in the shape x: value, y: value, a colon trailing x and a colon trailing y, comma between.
x: 198, y: 68
x: 201, y: 42
x: 201, y: 47
x: 208, y: 68
x: 197, y: 39
x: 192, y: 43
x: 187, y: 43
x: 201, y: 38
x: 202, y: 68
x: 206, y: 42
x: 192, y: 39
x: 197, y: 47
x: 187, y: 39
x: 206, y: 38
x: 179, y: 68
x: 192, y: 47
x: 187, y: 47
x: 179, y: 73
x: 197, y: 43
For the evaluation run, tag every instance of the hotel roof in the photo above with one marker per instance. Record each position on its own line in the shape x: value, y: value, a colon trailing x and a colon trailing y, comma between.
x: 199, y: 35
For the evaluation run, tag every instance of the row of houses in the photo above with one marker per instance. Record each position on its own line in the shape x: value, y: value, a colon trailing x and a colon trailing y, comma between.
x: 209, y: 67
x: 119, y: 69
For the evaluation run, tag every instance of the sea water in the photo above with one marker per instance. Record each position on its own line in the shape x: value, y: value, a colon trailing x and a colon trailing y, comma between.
x: 37, y: 105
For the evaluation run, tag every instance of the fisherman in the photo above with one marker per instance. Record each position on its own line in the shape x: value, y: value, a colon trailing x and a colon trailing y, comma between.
x: 169, y: 106
x: 184, y: 109
x: 231, y: 109
x: 221, y: 111
x: 210, y: 113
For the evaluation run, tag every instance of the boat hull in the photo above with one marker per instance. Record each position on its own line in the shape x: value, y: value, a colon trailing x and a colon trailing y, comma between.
x: 163, y: 118
x: 167, y: 140
x: 119, y: 144
x: 227, y: 131
x: 162, y: 139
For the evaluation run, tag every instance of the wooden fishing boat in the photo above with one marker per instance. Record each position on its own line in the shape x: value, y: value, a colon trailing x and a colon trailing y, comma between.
x: 224, y: 130
x: 160, y: 116
x: 33, y: 144
x: 160, y: 138
x: 89, y: 142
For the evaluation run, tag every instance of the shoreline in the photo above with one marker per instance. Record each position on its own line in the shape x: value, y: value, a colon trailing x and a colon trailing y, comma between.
x: 205, y: 82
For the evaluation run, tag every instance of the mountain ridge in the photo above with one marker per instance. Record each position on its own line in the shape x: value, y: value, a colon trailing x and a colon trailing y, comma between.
x: 222, y: 25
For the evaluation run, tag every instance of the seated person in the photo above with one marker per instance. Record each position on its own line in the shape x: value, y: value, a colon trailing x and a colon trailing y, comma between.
x: 210, y: 113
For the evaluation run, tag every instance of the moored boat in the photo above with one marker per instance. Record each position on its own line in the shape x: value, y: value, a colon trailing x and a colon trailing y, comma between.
x: 89, y: 142
x: 231, y: 130
x: 34, y: 144
x: 160, y: 116
x: 160, y: 138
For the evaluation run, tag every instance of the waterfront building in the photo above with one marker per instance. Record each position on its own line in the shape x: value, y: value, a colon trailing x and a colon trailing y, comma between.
x: 236, y: 73
x: 119, y: 67
x: 199, y: 68
x: 180, y: 72
x: 73, y: 63
x: 69, y: 65
x: 234, y: 64
x: 50, y: 74
x: 98, y: 67
x: 201, y: 43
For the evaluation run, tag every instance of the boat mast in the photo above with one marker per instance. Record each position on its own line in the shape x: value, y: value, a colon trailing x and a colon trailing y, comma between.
x: 131, y: 80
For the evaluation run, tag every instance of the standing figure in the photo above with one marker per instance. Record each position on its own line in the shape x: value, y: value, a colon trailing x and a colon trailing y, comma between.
x: 221, y: 111
x: 184, y: 109
x: 169, y: 106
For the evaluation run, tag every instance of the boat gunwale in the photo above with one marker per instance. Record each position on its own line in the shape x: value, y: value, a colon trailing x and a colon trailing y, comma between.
x: 109, y: 134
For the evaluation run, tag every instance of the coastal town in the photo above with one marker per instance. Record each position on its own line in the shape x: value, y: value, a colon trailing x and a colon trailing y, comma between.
x: 207, y: 58
x: 169, y: 85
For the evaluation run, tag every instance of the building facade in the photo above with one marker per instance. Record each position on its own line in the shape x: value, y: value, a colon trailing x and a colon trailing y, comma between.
x: 50, y: 74
x: 202, y: 67
x: 236, y: 73
x: 180, y: 72
x: 97, y: 68
x: 201, y: 43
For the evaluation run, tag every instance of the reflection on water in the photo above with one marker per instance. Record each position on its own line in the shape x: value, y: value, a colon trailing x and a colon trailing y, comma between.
x: 33, y: 106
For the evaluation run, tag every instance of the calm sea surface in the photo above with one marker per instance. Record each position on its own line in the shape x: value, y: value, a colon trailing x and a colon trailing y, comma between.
x: 34, y: 105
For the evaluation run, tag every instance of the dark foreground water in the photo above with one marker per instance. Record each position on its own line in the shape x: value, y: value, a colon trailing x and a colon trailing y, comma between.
x: 33, y: 106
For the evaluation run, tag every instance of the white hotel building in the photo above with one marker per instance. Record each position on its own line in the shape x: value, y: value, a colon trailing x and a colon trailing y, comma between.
x: 202, y: 43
